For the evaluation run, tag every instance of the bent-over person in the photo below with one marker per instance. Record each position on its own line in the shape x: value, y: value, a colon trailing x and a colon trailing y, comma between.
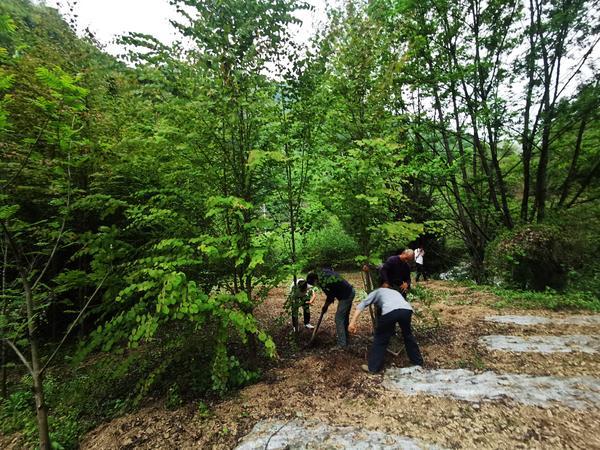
x: 334, y: 286
x: 394, y: 310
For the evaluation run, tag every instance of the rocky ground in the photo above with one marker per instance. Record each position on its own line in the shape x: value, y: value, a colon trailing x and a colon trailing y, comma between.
x: 323, y: 389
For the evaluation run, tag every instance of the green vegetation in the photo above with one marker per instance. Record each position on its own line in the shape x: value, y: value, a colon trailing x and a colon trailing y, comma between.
x: 148, y: 204
x: 517, y: 298
x: 550, y: 299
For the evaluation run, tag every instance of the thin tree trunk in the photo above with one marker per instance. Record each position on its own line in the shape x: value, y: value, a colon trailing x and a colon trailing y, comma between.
x: 38, y: 386
x: 4, y: 314
x: 36, y: 372
x: 541, y: 187
x: 507, y: 218
x: 528, y: 136
x: 573, y: 167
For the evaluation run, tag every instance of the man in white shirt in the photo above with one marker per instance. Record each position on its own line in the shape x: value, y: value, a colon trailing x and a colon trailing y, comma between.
x: 419, y: 254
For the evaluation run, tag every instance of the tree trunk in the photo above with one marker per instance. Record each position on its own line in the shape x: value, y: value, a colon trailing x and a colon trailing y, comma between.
x: 4, y: 313
x: 528, y: 135
x: 477, y: 262
x: 541, y: 186
x: 36, y: 371
x: 573, y: 167
x: 37, y: 375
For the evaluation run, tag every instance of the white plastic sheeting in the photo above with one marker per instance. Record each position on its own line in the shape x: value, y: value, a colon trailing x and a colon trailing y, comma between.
x: 575, y: 392
x: 539, y: 320
x: 298, y: 434
x: 543, y: 344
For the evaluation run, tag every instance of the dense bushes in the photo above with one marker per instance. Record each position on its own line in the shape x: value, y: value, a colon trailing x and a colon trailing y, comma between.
x: 329, y: 246
x: 559, y: 254
x: 173, y: 366
x: 580, y: 229
x: 530, y: 257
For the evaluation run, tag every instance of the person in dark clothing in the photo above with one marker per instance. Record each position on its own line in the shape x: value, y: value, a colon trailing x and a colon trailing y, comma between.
x: 395, y: 272
x: 335, y: 287
x: 394, y: 310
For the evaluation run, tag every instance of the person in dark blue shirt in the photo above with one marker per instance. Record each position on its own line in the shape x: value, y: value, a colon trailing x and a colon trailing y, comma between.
x: 335, y: 287
x: 395, y: 272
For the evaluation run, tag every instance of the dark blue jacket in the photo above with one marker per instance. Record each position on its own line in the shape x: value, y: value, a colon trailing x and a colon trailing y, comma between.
x: 334, y: 285
x: 395, y: 271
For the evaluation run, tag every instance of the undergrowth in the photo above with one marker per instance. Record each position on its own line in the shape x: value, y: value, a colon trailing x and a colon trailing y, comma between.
x: 548, y: 299
x: 81, y: 395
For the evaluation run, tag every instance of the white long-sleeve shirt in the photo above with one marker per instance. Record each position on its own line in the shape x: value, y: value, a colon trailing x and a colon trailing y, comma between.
x: 387, y: 299
x: 419, y: 256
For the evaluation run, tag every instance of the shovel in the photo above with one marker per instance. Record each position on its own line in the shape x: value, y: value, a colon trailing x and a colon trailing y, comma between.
x: 323, y: 311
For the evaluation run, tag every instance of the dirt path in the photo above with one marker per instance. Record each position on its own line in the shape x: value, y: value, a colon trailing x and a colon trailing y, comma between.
x: 325, y: 386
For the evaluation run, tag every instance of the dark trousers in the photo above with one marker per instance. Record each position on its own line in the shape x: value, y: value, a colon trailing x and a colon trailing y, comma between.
x: 386, y: 327
x: 342, y: 319
x: 305, y: 312
x: 421, y: 272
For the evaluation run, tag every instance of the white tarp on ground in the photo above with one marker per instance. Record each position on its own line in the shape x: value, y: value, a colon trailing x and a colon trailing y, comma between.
x: 575, y: 392
x: 538, y: 320
x: 298, y: 434
x: 543, y: 344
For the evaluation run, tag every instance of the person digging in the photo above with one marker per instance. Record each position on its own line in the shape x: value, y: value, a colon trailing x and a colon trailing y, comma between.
x: 334, y: 287
x: 302, y: 296
x: 394, y: 310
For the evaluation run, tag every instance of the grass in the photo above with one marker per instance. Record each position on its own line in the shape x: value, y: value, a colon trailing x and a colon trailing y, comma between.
x: 549, y: 299
x: 513, y: 298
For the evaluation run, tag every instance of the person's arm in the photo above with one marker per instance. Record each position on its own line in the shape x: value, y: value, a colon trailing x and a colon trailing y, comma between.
x: 352, y: 326
x: 360, y: 308
x: 405, y: 274
x: 329, y: 294
x: 313, y: 297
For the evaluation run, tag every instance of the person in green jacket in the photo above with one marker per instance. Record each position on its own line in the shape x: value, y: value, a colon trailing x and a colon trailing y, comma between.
x: 301, y: 295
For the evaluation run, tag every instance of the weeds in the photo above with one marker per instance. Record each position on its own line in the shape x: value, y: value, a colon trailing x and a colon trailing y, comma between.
x: 428, y: 317
x: 549, y: 299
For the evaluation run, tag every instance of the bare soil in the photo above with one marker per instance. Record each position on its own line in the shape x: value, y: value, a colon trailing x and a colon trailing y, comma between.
x: 325, y: 384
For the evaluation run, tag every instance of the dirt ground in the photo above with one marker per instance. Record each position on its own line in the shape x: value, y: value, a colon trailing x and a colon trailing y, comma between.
x: 326, y: 384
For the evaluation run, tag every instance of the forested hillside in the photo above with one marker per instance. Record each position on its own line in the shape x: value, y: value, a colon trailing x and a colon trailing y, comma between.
x: 149, y: 204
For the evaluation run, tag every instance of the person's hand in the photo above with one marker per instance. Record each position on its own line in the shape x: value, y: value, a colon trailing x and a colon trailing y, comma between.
x: 404, y: 287
x: 352, y: 327
x: 385, y: 284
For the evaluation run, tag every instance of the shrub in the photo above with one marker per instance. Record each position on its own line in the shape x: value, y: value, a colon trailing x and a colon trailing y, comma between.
x: 329, y: 246
x: 530, y: 257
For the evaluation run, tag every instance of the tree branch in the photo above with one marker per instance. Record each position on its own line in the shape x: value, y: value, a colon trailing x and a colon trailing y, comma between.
x: 74, y: 323
x: 19, y: 354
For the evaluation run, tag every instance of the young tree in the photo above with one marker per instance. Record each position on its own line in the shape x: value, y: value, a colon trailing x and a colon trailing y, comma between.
x: 33, y: 245
x: 236, y: 44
